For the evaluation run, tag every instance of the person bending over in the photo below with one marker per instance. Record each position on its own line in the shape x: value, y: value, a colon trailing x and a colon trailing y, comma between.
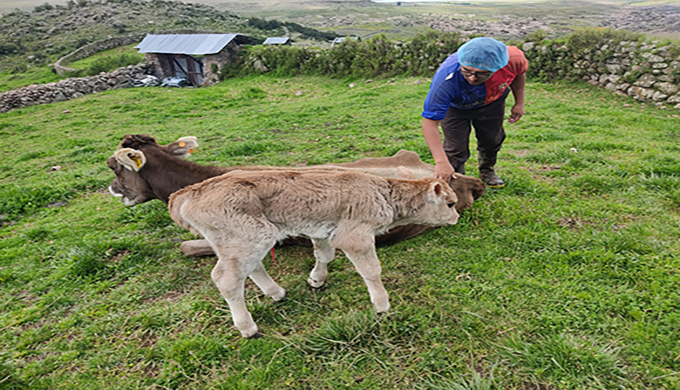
x: 469, y: 89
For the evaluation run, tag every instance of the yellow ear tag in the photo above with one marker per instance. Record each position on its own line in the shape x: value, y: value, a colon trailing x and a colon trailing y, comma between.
x: 182, y: 144
x: 137, y: 160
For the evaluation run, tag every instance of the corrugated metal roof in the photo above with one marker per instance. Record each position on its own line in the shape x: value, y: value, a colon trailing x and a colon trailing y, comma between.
x: 190, y: 44
x: 276, y: 41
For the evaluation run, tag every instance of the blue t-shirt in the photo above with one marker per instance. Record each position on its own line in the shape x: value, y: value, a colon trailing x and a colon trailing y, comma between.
x: 450, y: 89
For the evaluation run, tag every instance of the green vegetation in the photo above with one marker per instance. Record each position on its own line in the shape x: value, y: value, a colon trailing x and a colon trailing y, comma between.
x: 305, y: 32
x: 567, y: 278
x: 33, y: 75
x: 108, y: 60
x: 375, y: 57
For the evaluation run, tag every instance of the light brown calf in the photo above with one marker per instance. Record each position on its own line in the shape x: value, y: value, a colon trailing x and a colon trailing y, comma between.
x: 243, y: 214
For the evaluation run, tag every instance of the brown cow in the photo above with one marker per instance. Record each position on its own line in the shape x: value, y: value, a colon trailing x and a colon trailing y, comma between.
x: 155, y: 171
x: 243, y: 214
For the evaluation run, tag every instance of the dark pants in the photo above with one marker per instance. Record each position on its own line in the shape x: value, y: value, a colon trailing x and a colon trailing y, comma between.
x: 488, y: 124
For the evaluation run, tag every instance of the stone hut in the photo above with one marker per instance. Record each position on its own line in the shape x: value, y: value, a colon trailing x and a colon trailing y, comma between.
x: 340, y: 40
x: 278, y: 41
x: 196, y: 57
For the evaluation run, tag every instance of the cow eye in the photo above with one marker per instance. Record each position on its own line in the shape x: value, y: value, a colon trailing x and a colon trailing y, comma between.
x: 451, y: 204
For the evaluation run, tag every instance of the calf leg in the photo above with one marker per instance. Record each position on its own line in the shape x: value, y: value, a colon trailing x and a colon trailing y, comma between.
x: 237, y: 261
x: 324, y: 253
x: 361, y: 252
x: 230, y: 277
x: 266, y: 283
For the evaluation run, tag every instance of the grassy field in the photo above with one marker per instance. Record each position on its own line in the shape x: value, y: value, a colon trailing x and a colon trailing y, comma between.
x: 568, y: 278
x: 107, y: 55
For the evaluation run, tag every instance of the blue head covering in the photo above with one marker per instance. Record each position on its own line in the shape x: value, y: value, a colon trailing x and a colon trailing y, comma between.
x: 483, y: 53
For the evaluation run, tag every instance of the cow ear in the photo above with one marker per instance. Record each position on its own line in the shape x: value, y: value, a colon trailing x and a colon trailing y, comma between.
x: 437, y: 188
x: 131, y: 159
x: 436, y: 191
x: 183, y: 147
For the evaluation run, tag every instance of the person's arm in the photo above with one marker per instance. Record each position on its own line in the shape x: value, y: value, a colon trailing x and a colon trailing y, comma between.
x: 442, y: 168
x: 517, y: 87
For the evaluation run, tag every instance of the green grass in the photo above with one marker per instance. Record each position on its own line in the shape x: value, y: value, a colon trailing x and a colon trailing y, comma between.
x: 108, y: 60
x: 565, y: 279
x: 33, y: 75
x: 105, y: 61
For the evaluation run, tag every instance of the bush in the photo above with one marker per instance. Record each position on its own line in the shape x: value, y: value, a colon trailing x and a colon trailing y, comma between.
x: 108, y: 64
x: 7, y: 47
x: 377, y: 56
x: 43, y: 7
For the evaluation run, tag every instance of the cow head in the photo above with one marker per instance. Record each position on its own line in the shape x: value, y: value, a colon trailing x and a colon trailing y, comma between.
x: 468, y: 189
x: 129, y: 161
x: 441, y: 204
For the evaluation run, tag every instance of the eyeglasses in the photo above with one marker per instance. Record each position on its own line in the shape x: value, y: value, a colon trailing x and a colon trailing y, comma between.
x: 479, y: 75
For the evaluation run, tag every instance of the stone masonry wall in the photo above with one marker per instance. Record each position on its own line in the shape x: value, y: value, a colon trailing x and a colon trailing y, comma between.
x: 93, y: 48
x: 646, y: 71
x: 73, y: 87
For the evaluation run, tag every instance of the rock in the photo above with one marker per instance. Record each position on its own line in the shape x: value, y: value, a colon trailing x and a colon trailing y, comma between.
x: 646, y: 81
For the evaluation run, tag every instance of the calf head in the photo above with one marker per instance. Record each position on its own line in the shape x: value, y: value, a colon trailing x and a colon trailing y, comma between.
x: 427, y: 201
x: 440, y: 207
x: 130, y: 160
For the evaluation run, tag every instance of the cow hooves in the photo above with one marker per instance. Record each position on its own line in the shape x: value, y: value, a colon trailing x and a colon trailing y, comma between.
x: 314, y: 284
x: 256, y: 336
x: 279, y: 295
x: 251, y: 333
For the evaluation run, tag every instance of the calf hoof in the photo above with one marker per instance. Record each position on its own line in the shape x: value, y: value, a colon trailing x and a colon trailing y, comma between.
x: 279, y: 295
x: 315, y: 284
x: 250, y: 333
x: 382, y: 308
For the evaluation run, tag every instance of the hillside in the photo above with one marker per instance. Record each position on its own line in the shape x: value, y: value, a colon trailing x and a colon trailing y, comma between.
x: 506, y: 19
x: 41, y: 35
x: 48, y: 32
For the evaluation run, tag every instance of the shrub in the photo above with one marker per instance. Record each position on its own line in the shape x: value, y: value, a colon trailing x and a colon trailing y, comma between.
x: 43, y: 7
x: 377, y: 56
x: 108, y: 64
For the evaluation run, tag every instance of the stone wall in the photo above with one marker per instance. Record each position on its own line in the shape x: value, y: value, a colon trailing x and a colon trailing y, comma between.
x: 646, y: 71
x: 93, y: 48
x: 73, y: 87
x: 218, y: 61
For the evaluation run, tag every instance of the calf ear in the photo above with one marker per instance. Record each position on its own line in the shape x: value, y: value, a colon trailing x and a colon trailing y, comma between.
x: 183, y: 147
x: 131, y: 159
x: 436, y: 191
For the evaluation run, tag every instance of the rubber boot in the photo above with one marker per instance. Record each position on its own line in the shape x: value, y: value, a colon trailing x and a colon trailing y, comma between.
x: 460, y: 169
x: 487, y: 172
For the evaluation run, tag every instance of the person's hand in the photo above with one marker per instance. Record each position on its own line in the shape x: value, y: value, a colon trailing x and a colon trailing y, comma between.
x: 516, y: 113
x: 444, y: 171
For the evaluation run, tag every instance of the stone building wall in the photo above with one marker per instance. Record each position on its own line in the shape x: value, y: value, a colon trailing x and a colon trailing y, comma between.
x: 217, y: 61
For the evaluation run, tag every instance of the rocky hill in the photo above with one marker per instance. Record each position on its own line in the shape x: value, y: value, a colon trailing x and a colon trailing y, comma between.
x: 653, y: 19
x: 49, y: 32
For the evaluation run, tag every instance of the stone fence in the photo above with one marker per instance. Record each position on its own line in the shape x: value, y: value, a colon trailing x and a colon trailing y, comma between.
x: 93, y: 48
x: 646, y: 71
x: 73, y: 87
